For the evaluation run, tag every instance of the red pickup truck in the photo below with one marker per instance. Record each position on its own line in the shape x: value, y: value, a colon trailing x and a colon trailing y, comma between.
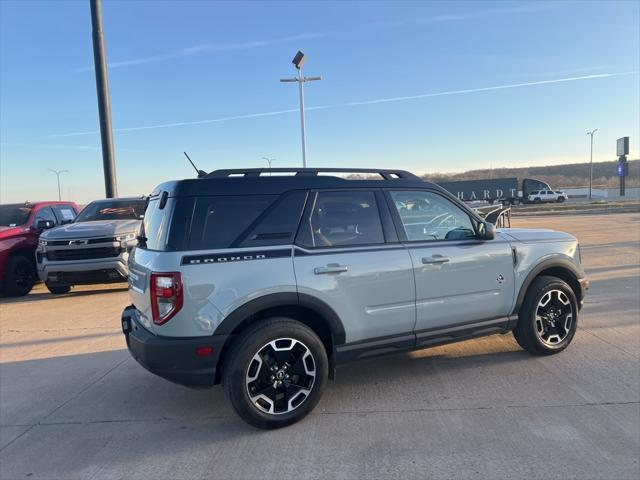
x: 20, y: 227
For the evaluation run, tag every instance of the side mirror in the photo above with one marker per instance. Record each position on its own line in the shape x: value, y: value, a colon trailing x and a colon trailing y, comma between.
x: 44, y: 224
x: 486, y: 231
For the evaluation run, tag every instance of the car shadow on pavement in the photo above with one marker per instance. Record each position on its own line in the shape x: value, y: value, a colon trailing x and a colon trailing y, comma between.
x: 108, y: 387
x: 46, y: 295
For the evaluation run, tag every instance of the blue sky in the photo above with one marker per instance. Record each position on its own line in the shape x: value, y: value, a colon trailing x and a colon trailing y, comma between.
x: 561, y: 67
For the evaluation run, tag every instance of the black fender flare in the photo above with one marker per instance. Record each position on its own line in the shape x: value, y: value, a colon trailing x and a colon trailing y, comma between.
x: 555, y: 262
x: 284, y: 299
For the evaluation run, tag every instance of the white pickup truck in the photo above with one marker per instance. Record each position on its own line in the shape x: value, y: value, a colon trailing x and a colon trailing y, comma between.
x: 545, y: 196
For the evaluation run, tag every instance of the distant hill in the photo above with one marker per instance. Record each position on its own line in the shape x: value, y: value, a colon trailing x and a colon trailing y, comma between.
x: 571, y: 175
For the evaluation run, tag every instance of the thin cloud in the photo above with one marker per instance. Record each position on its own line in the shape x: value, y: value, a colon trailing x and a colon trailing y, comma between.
x: 356, y: 104
x: 518, y: 9
x: 204, y: 49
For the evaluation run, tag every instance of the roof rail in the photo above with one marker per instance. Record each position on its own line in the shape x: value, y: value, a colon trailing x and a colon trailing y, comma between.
x: 311, y: 172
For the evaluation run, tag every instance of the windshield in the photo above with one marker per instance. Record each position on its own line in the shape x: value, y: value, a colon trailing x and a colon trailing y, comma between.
x: 112, y: 210
x: 13, y: 215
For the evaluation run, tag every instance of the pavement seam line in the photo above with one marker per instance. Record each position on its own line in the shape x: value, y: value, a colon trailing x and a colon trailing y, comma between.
x: 347, y: 412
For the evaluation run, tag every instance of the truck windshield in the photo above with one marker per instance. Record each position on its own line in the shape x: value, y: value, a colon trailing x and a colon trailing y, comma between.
x: 112, y: 210
x: 13, y: 215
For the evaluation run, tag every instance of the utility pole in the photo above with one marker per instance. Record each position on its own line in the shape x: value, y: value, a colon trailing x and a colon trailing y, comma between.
x: 58, y: 173
x: 298, y: 61
x: 591, y: 134
x: 104, y: 108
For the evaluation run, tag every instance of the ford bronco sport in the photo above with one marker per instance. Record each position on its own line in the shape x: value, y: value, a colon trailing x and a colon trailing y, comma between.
x: 265, y: 282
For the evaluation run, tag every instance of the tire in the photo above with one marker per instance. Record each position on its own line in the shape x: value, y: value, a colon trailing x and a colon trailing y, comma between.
x: 58, y: 289
x: 561, y: 199
x: 249, y: 365
x: 548, y: 319
x: 20, y: 276
x: 537, y: 200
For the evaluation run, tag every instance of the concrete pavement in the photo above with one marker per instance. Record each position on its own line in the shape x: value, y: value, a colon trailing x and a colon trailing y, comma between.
x: 73, y: 404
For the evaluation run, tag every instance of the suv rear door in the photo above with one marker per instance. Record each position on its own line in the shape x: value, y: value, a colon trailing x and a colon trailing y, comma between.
x: 347, y: 255
x: 459, y: 279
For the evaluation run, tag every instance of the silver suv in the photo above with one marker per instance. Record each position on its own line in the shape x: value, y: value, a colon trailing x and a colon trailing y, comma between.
x: 265, y: 282
x: 94, y: 248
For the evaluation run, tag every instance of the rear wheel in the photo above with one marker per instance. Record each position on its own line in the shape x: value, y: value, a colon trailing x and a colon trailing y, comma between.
x: 58, y: 289
x: 20, y: 276
x: 548, y: 318
x: 537, y: 200
x: 275, y: 372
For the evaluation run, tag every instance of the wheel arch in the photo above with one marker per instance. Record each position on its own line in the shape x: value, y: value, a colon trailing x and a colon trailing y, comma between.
x: 309, y: 310
x: 555, y: 267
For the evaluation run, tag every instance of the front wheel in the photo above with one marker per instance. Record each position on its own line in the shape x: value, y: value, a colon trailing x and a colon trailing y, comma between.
x: 20, y: 276
x: 548, y: 318
x: 275, y: 373
x: 561, y: 199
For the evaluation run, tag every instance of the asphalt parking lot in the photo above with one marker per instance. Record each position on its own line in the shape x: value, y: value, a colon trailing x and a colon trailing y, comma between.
x: 75, y: 405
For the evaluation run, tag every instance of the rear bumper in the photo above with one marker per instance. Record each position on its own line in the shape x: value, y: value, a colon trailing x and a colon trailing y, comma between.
x: 174, y: 359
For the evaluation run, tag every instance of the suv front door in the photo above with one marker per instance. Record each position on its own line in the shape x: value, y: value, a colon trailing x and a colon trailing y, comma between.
x: 460, y: 280
x: 347, y: 254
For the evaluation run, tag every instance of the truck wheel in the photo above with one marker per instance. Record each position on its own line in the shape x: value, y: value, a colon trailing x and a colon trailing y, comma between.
x: 548, y: 318
x: 20, y: 276
x: 58, y: 289
x: 537, y: 200
x: 561, y: 199
x: 275, y: 373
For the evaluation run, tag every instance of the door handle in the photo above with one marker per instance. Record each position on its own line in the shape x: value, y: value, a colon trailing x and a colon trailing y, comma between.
x: 434, y: 260
x: 331, y: 268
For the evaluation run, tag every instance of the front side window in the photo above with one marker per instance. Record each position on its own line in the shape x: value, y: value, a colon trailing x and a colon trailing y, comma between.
x: 112, y: 210
x: 343, y: 218
x: 427, y: 216
x: 45, y: 213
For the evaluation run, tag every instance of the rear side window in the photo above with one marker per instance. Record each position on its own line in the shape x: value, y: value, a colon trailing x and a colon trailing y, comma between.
x: 278, y: 224
x: 219, y: 220
x: 65, y: 213
x: 343, y: 218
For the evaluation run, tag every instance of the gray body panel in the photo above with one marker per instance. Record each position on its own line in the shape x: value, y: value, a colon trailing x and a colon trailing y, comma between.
x: 385, y: 290
x: 374, y: 297
x: 475, y: 283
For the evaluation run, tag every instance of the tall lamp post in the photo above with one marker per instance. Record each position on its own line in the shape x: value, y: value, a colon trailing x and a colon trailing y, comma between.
x: 298, y: 61
x: 591, y: 134
x: 269, y: 162
x: 58, y: 173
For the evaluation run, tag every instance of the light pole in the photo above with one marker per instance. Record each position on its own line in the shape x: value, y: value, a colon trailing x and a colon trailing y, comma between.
x: 269, y: 162
x: 591, y: 134
x: 298, y: 61
x: 104, y: 107
x: 58, y: 173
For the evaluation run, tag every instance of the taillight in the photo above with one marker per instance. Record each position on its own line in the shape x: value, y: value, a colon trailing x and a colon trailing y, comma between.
x: 166, y: 296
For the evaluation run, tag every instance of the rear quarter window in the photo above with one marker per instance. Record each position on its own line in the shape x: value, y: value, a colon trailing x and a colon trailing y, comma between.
x: 219, y: 220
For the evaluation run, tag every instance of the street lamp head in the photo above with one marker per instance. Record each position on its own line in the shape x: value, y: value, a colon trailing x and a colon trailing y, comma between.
x: 299, y: 59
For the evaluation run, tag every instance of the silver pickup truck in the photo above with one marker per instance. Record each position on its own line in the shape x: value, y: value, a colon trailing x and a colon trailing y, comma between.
x: 94, y: 248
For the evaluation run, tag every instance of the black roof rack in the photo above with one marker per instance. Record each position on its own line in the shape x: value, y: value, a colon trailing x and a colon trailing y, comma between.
x: 311, y: 172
